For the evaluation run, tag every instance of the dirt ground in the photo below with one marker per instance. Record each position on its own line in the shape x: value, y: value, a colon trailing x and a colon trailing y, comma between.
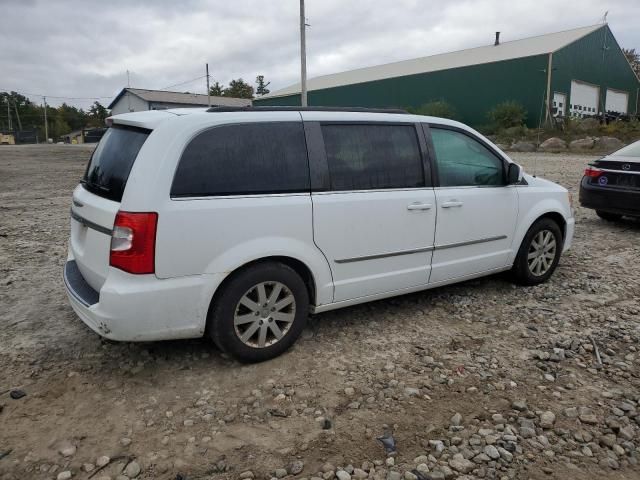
x: 516, y: 363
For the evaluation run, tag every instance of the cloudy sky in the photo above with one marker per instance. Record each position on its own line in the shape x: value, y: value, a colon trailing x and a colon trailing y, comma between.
x: 83, y: 48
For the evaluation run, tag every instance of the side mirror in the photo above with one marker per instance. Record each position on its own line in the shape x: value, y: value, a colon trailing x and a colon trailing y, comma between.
x: 514, y: 174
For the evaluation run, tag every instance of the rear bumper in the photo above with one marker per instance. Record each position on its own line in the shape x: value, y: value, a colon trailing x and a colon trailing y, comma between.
x: 610, y: 200
x: 141, y: 307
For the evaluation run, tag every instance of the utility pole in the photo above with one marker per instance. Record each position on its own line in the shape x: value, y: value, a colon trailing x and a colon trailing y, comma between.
x: 15, y: 107
x: 208, y: 89
x: 8, y: 112
x: 303, y: 57
x: 46, y: 125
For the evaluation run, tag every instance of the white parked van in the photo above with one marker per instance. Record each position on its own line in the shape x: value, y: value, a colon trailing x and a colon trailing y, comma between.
x: 236, y: 223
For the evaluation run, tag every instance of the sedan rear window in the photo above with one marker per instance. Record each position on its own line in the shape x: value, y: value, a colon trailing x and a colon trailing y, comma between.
x: 632, y: 150
x: 111, y: 162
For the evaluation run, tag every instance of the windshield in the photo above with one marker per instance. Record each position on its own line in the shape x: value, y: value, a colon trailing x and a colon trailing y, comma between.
x: 632, y: 150
x: 112, y: 160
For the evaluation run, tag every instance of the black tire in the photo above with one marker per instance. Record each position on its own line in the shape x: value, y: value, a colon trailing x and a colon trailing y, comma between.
x: 609, y: 217
x: 220, y: 321
x: 521, y: 270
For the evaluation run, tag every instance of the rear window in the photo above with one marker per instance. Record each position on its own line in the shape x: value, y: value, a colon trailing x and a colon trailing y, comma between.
x: 251, y: 158
x: 632, y: 150
x: 112, y: 160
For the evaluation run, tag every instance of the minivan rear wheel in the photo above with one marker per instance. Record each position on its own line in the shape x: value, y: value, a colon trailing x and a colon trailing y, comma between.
x: 539, y: 253
x: 260, y: 312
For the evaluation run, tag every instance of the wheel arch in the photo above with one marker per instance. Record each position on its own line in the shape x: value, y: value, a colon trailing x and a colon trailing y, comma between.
x: 297, y: 265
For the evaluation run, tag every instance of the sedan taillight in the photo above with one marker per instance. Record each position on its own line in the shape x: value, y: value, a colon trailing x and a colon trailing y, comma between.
x: 133, y: 242
x: 593, y: 172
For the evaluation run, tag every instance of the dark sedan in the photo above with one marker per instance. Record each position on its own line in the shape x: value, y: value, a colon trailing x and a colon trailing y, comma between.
x: 611, y: 185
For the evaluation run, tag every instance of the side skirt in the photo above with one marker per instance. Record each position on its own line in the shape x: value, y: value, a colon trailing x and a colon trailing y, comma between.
x: 403, y: 291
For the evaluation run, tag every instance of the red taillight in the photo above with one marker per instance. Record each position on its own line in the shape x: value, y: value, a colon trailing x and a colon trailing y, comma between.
x: 593, y: 172
x: 133, y: 242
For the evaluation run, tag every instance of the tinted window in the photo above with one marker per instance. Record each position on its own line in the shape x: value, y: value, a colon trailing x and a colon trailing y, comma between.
x: 463, y: 161
x: 363, y: 157
x: 112, y: 160
x: 244, y: 159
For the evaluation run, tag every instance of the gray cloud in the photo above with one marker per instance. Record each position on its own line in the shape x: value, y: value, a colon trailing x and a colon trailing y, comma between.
x: 76, y: 48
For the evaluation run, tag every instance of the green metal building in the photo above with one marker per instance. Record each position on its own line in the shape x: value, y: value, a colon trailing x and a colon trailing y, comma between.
x: 577, y: 72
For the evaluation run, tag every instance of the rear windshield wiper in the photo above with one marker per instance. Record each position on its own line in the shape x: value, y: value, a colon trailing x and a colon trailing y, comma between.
x: 95, y: 185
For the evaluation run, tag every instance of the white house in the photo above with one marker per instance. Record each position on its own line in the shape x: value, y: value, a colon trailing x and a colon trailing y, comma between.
x: 137, y: 99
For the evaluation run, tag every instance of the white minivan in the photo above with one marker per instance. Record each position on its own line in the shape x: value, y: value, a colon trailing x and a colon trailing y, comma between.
x: 237, y: 223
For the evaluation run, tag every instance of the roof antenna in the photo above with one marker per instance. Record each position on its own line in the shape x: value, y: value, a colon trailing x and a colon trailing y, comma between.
x: 604, y: 17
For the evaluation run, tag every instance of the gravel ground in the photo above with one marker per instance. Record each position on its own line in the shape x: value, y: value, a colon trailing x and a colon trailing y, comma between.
x: 477, y: 380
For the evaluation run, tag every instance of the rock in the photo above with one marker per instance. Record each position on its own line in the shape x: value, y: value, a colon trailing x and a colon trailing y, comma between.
x: 421, y: 459
x: 557, y: 355
x: 608, y: 144
x: 519, y: 405
x: 125, y: 442
x: 66, y: 475
x: 88, y: 467
x: 547, y: 419
x: 492, y: 452
x: 17, y: 394
x: 571, y: 412
x: 582, y: 144
x: 456, y: 420
x: 608, y: 440
x: 349, y: 391
x: 553, y: 144
x: 505, y: 454
x: 588, y: 418
x: 523, y: 147
x: 296, y: 467
x: 342, y: 475
x: 102, y: 461
x: 627, y: 433
x: 392, y: 475
x: 247, y: 475
x: 132, y: 470
x: 461, y: 464
x: 359, y: 474
x: 410, y: 476
x: 412, y: 392
x: 527, y: 432
x: 67, y: 449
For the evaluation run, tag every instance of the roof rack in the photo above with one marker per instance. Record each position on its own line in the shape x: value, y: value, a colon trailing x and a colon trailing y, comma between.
x: 304, y: 109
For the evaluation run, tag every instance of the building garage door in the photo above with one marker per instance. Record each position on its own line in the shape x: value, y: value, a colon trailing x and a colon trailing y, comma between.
x: 584, y: 99
x: 617, y: 101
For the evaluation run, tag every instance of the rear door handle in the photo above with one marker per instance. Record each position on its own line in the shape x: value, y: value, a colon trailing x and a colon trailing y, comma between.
x: 419, y: 206
x: 452, y: 204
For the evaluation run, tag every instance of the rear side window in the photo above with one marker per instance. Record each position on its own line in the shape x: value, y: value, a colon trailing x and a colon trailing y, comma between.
x: 249, y: 158
x: 111, y: 162
x: 366, y: 157
x: 463, y: 161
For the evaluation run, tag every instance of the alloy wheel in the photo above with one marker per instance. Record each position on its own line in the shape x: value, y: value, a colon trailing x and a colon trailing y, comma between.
x: 542, y: 252
x: 264, y: 314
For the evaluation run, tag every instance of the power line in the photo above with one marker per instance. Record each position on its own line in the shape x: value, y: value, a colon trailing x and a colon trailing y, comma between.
x: 183, y: 83
x: 53, y: 96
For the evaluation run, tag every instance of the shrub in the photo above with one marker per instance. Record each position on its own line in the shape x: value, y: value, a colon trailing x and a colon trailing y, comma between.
x: 507, y: 114
x: 437, y: 108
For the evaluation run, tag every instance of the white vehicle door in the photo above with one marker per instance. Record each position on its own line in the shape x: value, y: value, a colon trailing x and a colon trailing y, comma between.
x: 374, y: 207
x: 477, y: 211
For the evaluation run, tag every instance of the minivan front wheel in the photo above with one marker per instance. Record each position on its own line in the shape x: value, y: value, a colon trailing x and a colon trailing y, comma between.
x: 539, y: 253
x: 260, y: 312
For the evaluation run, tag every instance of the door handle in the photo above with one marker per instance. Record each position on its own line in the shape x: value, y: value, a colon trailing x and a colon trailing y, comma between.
x: 452, y: 204
x: 419, y: 206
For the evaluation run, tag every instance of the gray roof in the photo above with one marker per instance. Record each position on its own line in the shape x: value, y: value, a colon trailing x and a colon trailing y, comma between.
x: 525, y: 47
x: 195, y: 99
